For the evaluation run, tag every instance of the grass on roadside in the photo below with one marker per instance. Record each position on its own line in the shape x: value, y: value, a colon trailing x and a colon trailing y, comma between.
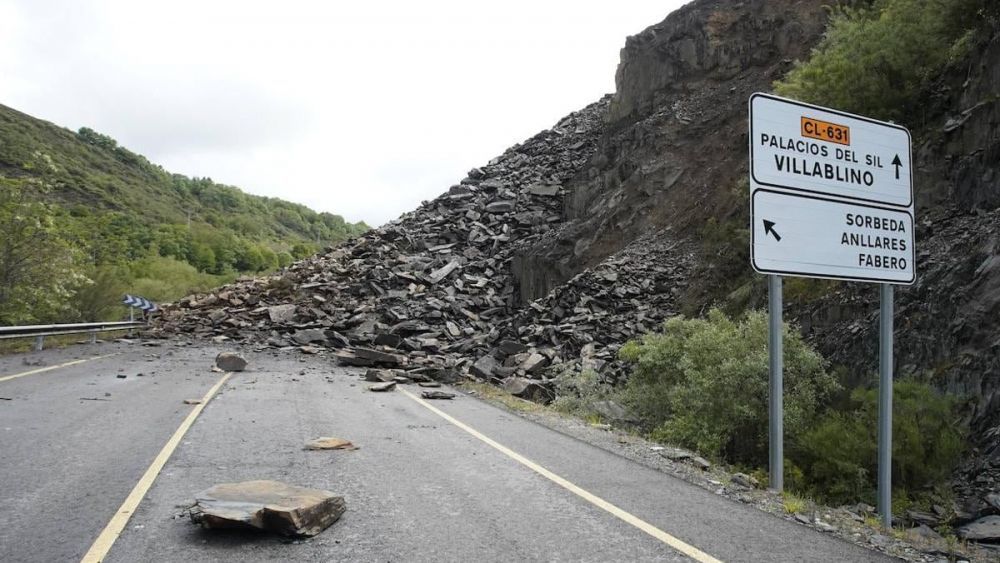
x: 793, y: 503
x: 495, y: 394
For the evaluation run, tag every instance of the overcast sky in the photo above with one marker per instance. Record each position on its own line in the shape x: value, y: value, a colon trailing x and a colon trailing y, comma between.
x: 362, y: 109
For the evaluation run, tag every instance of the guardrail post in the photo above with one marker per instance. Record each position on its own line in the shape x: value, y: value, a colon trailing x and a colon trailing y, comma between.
x: 39, y: 343
x: 93, y: 337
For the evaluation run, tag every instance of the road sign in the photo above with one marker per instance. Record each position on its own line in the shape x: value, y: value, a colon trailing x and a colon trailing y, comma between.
x: 820, y: 151
x: 831, y: 194
x: 800, y: 235
x: 141, y: 303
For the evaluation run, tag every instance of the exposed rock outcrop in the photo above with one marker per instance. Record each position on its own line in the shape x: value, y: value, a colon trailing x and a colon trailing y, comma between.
x: 675, y: 145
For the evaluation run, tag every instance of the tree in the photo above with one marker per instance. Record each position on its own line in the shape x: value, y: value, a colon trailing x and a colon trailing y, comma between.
x: 99, y: 298
x: 839, y: 454
x: 37, y: 265
x: 202, y: 257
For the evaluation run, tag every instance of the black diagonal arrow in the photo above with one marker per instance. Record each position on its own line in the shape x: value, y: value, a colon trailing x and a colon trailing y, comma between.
x: 897, y: 163
x: 769, y: 230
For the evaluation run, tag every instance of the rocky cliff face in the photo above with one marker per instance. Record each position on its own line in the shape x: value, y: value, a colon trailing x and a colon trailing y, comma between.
x: 675, y: 141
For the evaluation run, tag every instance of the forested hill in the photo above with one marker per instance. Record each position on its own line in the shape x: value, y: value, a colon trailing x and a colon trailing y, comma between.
x: 162, y: 234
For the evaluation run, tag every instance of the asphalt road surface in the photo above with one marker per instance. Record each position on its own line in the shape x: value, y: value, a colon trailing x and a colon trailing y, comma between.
x: 456, y: 480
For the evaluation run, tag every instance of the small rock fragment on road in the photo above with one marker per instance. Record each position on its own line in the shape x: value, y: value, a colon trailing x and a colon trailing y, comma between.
x: 229, y: 361
x: 272, y: 506
x: 121, y: 376
x: 437, y: 395
x: 675, y: 454
x: 382, y: 387
x: 986, y: 528
x: 429, y: 384
x: 744, y: 480
x: 192, y: 401
x: 701, y: 463
x: 330, y: 443
x: 528, y: 389
x: 379, y: 375
x: 824, y: 526
x: 922, y: 532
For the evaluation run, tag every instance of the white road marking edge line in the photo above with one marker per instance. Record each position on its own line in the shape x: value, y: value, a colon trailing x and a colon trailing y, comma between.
x: 50, y: 368
x: 677, y: 544
x: 102, y: 545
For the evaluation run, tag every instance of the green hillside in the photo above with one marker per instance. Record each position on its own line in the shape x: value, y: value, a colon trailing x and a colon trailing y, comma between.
x: 124, y: 222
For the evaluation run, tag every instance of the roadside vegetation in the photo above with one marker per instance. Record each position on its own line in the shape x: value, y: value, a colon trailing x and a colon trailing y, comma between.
x: 703, y: 384
x: 878, y: 56
x: 85, y: 220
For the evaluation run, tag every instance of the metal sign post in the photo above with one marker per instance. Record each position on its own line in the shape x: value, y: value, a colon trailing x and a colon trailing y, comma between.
x: 776, y: 411
x: 885, y: 406
x: 831, y: 196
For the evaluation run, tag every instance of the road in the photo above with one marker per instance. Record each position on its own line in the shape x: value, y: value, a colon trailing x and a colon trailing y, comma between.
x: 455, y: 480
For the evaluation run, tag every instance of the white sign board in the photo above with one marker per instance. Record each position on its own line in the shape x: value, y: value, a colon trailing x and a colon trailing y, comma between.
x: 806, y: 235
x: 810, y: 149
x: 831, y: 194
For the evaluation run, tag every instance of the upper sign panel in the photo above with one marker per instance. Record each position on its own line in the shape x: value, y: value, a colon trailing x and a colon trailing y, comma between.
x: 809, y: 149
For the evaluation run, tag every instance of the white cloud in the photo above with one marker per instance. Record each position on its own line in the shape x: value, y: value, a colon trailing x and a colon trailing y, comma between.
x: 362, y: 109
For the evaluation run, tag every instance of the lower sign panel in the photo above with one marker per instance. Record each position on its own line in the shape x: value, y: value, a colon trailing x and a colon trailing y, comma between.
x: 795, y: 235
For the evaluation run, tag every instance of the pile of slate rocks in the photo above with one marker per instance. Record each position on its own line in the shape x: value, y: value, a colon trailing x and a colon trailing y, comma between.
x: 432, y: 293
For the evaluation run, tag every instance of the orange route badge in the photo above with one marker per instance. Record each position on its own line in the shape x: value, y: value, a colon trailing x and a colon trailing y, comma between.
x: 825, y: 131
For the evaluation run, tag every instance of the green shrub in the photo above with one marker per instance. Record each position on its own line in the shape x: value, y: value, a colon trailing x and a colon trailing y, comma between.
x: 839, y: 455
x: 876, y: 58
x: 703, y: 384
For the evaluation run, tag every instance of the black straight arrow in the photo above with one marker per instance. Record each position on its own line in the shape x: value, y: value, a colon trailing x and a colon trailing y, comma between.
x: 897, y: 163
x: 769, y: 230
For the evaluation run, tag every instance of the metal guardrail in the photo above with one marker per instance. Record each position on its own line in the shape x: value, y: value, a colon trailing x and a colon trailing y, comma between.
x: 39, y: 332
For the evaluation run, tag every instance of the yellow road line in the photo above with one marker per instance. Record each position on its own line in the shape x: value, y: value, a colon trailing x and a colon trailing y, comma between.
x: 50, y: 368
x: 102, y: 545
x: 686, y: 549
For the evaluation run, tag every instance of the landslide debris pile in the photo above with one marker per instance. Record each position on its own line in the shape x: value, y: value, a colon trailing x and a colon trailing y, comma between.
x: 445, y: 289
x: 432, y: 292
x: 590, y: 316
